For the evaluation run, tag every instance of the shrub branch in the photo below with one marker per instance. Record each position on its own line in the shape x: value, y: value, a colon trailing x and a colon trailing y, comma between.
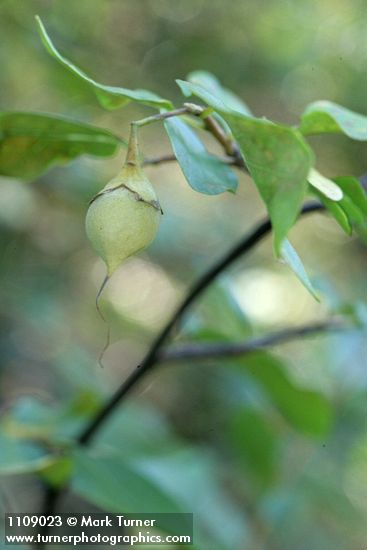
x: 218, y: 350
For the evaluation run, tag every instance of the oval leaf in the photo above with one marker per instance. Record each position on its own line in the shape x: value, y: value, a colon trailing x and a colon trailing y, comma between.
x: 32, y: 142
x: 327, y: 117
x: 204, y: 172
x: 110, y: 97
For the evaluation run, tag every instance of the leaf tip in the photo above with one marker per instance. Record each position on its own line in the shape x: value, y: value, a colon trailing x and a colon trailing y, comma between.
x: 325, y: 185
x: 39, y: 22
x: 278, y: 245
x: 42, y: 30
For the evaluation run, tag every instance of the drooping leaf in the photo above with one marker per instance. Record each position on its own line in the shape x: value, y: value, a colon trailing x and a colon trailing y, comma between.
x: 354, y: 190
x: 212, y: 84
x: 277, y: 157
x: 204, y: 172
x: 326, y: 186
x: 278, y: 160
x: 20, y: 456
x: 30, y: 143
x: 354, y: 203
x: 328, y: 117
x: 110, y: 97
x: 108, y: 481
x: 337, y: 211
x: 352, y: 211
x: 306, y: 410
x: 292, y: 259
x: 254, y: 442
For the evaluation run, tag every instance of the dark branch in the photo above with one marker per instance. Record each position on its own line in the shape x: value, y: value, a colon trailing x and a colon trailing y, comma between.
x: 218, y: 350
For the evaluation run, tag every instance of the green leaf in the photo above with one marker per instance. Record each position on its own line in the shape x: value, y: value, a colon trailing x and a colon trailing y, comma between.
x: 292, y: 259
x: 327, y: 117
x: 354, y: 190
x: 306, y: 410
x: 255, y: 443
x: 30, y: 143
x: 326, y: 186
x: 188, y: 89
x: 337, y: 211
x: 211, y: 83
x: 110, y: 97
x: 278, y: 159
x: 19, y: 456
x: 353, y: 212
x: 354, y: 203
x: 108, y: 481
x: 204, y: 172
x: 193, y: 477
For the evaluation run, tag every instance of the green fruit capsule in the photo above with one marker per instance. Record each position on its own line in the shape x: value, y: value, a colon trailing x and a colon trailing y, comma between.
x: 124, y: 217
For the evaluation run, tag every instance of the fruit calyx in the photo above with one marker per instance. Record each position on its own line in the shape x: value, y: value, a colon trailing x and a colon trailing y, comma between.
x: 131, y: 173
x: 137, y: 196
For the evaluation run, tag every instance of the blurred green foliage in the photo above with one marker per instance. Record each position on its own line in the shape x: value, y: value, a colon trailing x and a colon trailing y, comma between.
x: 267, y: 451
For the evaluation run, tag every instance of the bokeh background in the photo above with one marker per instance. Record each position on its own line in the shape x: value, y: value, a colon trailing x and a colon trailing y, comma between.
x: 285, y: 489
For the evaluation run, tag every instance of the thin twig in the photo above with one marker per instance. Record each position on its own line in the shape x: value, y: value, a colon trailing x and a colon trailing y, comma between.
x: 161, y: 116
x: 220, y: 135
x: 172, y: 158
x: 217, y: 350
x: 211, y: 124
x: 160, y: 160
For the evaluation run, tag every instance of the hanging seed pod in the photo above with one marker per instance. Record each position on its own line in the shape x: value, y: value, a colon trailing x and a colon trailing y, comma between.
x: 123, y: 218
